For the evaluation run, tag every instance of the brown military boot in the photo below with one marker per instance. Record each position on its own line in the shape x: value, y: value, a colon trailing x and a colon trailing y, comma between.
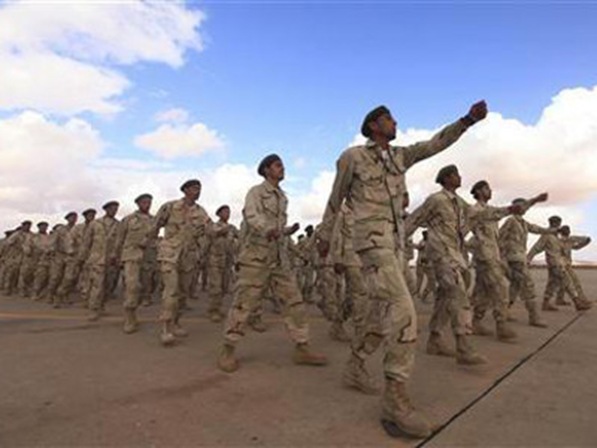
x: 167, y: 338
x: 466, y: 354
x: 582, y: 304
x: 226, y: 361
x: 355, y: 375
x: 302, y: 355
x: 504, y: 333
x: 94, y: 315
x: 534, y: 316
x: 547, y: 306
x: 179, y: 331
x: 436, y: 346
x: 479, y: 329
x: 561, y: 301
x: 397, y: 408
x: 338, y: 333
x: 130, y: 321
x: 215, y: 316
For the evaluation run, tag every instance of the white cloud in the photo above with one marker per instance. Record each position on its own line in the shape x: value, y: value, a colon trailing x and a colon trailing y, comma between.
x: 171, y: 141
x: 175, y: 115
x: 75, y: 49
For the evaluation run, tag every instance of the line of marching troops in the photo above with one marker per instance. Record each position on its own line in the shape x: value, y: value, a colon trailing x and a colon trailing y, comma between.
x: 354, y: 265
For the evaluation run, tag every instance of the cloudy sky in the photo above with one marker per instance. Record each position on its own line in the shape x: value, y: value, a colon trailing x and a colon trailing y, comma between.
x: 102, y: 100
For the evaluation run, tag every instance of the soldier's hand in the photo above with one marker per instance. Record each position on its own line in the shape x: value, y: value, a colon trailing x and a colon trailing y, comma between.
x: 292, y: 230
x: 541, y: 198
x: 339, y: 268
x: 323, y: 247
x: 478, y: 111
x: 272, y: 235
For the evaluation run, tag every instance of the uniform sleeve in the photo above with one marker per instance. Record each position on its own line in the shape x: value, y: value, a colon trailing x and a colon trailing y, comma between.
x: 537, y: 230
x: 419, y: 217
x: 337, y: 243
x: 342, y: 182
x: 161, y: 219
x: 121, y: 233
x: 537, y: 248
x: 579, y: 242
x: 87, y: 242
x: 440, y: 141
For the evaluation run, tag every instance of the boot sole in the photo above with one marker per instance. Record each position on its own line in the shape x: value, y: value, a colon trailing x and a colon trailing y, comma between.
x: 395, y: 431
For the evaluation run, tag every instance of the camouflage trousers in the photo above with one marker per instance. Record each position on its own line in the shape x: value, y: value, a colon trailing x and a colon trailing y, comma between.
x: 70, y: 276
x: 558, y: 277
x: 491, y: 290
x: 452, y: 305
x: 111, y: 282
x: 177, y: 289
x: 521, y: 283
x: 216, y: 286
x: 308, y: 277
x: 26, y: 272
x: 138, y: 283
x: 575, y: 282
x: 11, y: 276
x: 41, y: 280
x: 83, y: 284
x: 56, y: 275
x: 97, y: 286
x: 411, y: 281
x: 329, y: 290
x: 251, y: 285
x: 390, y: 314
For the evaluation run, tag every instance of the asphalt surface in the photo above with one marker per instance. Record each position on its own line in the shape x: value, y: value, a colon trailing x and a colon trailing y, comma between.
x: 67, y: 382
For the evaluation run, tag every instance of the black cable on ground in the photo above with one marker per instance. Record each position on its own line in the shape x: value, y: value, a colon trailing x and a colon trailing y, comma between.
x: 498, y: 382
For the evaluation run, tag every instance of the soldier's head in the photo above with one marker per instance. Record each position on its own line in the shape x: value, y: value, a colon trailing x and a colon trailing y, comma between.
x: 309, y: 230
x: 111, y: 208
x: 519, y: 203
x: 481, y: 191
x: 449, y: 177
x: 191, y: 189
x: 89, y: 215
x: 555, y: 222
x: 271, y: 168
x: 143, y: 202
x: 42, y: 227
x: 71, y: 218
x: 564, y: 231
x: 300, y: 237
x: 26, y: 226
x: 56, y: 227
x: 223, y: 212
x: 405, y: 200
x: 379, y: 123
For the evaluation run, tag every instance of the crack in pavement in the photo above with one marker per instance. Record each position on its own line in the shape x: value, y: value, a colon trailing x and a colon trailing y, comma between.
x: 499, y: 381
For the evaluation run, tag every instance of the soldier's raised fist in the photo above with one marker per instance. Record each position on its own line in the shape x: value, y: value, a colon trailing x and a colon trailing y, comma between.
x: 478, y: 111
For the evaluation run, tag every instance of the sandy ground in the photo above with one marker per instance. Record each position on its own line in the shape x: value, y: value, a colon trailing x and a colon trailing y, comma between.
x: 67, y: 382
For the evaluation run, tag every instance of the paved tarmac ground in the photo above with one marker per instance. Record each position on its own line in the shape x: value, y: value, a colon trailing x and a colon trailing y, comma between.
x: 67, y: 382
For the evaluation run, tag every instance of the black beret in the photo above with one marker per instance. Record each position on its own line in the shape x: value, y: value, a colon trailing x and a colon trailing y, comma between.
x: 110, y: 204
x: 372, y: 116
x: 445, y: 172
x: 143, y: 196
x: 478, y: 185
x: 555, y: 218
x: 518, y: 201
x: 89, y: 211
x: 42, y: 223
x: 266, y: 162
x: 190, y: 183
x: 26, y: 223
x: 69, y: 214
x: 309, y: 228
x: 222, y: 207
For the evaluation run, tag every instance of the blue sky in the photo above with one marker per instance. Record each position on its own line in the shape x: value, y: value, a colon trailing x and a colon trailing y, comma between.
x: 85, y: 81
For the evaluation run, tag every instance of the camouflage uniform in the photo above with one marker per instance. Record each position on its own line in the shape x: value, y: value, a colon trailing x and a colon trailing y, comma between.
x: 99, y: 253
x: 307, y: 276
x: 59, y: 255
x: 42, y: 245
x: 135, y: 251
x: 570, y: 243
x: 81, y: 275
x: 513, y: 236
x: 425, y: 272
x: 28, y: 263
x: 220, y: 261
x: 185, y: 228
x: 373, y: 182
x: 264, y: 263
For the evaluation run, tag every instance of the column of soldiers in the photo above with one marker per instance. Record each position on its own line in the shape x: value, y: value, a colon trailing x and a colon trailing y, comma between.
x: 355, y: 265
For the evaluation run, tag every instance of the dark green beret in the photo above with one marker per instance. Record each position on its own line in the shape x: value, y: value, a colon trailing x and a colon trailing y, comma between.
x: 555, y: 219
x: 266, y: 163
x: 110, y: 204
x: 222, y: 207
x: 372, y: 116
x: 89, y: 211
x: 518, y: 201
x: 42, y: 223
x: 143, y: 196
x: 26, y: 223
x: 69, y: 214
x: 445, y: 172
x: 190, y: 183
